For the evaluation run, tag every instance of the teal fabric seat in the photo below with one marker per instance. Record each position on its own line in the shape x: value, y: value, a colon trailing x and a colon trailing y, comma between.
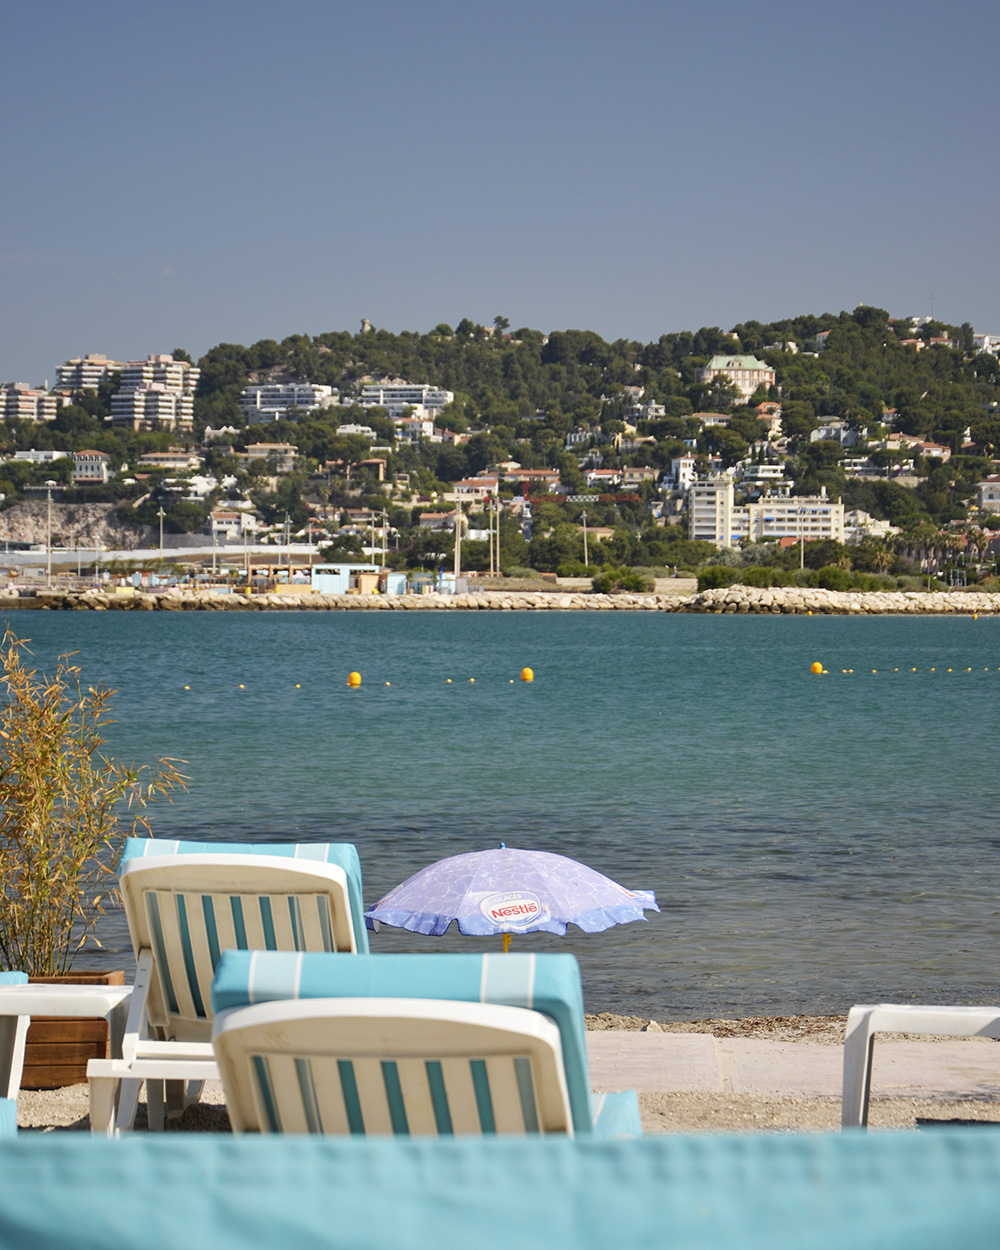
x: 8, y: 1117
x: 547, y: 984
x: 826, y: 1191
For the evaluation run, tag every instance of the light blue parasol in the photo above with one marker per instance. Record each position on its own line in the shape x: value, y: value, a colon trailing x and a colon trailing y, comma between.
x: 509, y: 891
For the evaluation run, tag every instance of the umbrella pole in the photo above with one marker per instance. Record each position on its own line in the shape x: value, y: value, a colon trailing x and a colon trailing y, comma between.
x: 506, y: 943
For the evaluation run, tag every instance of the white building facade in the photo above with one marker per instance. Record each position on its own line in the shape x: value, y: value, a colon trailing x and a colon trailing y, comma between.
x: 86, y: 373
x: 156, y: 394
x: 747, y: 373
x: 715, y: 517
x: 261, y: 404
x: 21, y: 402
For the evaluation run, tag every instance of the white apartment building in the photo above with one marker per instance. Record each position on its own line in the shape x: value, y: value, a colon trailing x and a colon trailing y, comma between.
x: 715, y: 517
x: 175, y: 375
x: 261, y: 404
x: 153, y: 407
x: 747, y: 373
x: 21, y: 402
x: 712, y: 514
x: 395, y: 396
x: 156, y: 394
x: 86, y: 373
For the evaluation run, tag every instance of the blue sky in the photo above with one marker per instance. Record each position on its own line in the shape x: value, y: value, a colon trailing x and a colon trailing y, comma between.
x: 179, y: 174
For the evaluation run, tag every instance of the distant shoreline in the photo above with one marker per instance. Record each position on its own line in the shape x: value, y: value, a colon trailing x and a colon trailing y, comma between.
x: 732, y: 599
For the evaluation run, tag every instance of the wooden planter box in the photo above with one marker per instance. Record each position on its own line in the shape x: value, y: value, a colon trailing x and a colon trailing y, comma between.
x: 58, y: 1047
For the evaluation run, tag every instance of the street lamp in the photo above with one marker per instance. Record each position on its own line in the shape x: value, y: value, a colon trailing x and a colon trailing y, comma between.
x: 586, y: 559
x: 161, y: 514
x: 48, y: 533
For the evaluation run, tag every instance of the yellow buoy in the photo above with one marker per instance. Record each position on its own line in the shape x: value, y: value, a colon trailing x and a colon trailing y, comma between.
x: 187, y: 687
x: 472, y: 679
x: 388, y: 683
x: 298, y: 685
x: 816, y: 667
x: 447, y: 681
x: 354, y: 679
x: 527, y: 674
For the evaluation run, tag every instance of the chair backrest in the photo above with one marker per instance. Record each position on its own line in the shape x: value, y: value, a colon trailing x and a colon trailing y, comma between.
x: 547, y: 986
x: 396, y: 1066
x: 187, y: 903
x: 13, y: 978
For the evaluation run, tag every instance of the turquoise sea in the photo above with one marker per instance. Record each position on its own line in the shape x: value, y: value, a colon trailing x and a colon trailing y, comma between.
x: 813, y: 841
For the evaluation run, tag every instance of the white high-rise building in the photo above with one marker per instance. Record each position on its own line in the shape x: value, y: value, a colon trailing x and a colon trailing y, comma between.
x: 156, y: 394
x: 19, y: 401
x: 153, y: 407
x: 86, y: 373
x: 175, y: 375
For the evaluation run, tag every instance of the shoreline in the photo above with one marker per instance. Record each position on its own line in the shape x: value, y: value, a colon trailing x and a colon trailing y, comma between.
x: 742, y: 600
x: 733, y: 1109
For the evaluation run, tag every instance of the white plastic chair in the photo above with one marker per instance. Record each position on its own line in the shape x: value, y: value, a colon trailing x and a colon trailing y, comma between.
x: 371, y: 1066
x: 183, y: 911
x: 863, y: 1022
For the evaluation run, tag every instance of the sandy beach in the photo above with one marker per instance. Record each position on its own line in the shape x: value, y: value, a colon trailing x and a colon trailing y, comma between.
x: 801, y: 1044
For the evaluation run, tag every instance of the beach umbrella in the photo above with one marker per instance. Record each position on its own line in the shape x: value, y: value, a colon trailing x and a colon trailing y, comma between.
x: 509, y: 891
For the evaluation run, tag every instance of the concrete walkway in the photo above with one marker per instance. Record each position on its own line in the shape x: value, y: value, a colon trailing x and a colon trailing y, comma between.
x: 692, y: 1062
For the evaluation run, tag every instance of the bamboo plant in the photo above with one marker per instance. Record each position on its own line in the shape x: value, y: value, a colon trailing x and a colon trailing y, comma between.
x: 65, y: 811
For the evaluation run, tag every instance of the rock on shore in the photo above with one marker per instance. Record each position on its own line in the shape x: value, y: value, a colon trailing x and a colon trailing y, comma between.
x: 731, y: 599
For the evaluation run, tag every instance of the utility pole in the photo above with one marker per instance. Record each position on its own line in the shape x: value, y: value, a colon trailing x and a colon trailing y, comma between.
x: 161, y: 514
x: 458, y: 542
x: 586, y: 559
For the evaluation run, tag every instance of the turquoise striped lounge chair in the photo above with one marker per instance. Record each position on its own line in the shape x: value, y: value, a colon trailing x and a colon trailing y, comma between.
x: 408, y: 1045
x: 186, y: 903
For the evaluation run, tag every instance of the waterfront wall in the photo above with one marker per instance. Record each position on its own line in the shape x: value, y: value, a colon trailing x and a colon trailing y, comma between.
x: 732, y: 599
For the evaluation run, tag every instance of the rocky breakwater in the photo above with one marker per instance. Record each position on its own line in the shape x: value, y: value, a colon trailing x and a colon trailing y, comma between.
x: 732, y: 599
x: 180, y: 600
x: 801, y: 599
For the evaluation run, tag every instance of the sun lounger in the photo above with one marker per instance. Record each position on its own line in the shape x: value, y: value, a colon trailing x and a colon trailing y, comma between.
x: 863, y: 1022
x: 186, y: 903
x: 418, y: 1044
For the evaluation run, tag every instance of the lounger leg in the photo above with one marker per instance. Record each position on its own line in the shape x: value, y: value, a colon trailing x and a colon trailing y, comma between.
x: 859, y: 1048
x: 154, y: 1106
x: 102, y: 1104
x: 13, y: 1030
x: 128, y: 1101
x: 175, y: 1099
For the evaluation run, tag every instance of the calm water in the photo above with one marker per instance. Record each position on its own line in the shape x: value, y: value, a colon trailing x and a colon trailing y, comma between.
x: 813, y: 841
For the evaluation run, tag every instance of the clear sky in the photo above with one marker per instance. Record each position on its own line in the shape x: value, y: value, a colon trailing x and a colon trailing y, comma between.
x: 181, y: 173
